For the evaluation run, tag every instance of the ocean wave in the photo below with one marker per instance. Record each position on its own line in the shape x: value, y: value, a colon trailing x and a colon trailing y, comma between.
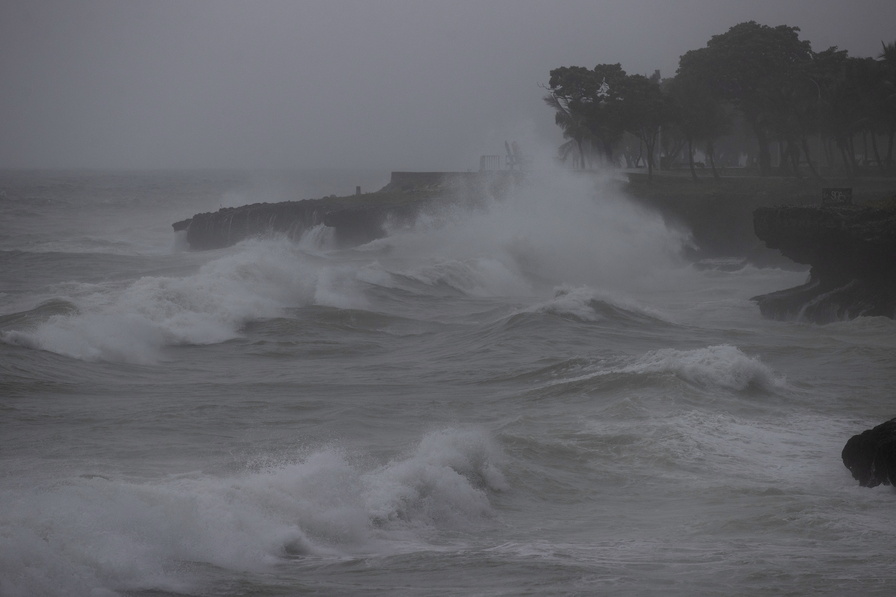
x: 92, y: 531
x: 445, y: 481
x: 476, y: 277
x: 40, y: 313
x: 721, y: 366
x: 134, y: 322
x: 733, y: 454
x: 588, y: 304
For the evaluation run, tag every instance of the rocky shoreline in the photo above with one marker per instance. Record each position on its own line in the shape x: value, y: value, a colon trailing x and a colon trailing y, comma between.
x: 852, y: 254
x: 354, y: 220
x: 851, y: 250
x: 353, y: 223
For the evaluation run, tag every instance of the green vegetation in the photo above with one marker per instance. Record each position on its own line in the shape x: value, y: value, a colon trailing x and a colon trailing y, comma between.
x: 755, y: 91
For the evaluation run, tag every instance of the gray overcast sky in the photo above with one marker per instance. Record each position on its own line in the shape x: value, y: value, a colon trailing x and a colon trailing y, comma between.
x: 380, y: 84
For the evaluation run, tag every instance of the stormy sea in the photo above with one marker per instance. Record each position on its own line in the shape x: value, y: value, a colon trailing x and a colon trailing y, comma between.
x: 538, y: 395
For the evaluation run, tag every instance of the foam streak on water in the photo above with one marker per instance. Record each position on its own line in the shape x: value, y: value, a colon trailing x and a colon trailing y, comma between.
x: 536, y: 394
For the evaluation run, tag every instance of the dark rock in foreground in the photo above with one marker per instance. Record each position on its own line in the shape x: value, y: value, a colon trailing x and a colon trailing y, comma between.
x: 852, y: 251
x: 871, y: 455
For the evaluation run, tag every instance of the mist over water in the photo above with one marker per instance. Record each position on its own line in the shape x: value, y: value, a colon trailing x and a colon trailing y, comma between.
x: 555, y: 229
x: 537, y: 392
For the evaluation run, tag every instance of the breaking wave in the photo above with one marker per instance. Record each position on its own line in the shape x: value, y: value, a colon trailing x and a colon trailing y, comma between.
x: 124, y: 535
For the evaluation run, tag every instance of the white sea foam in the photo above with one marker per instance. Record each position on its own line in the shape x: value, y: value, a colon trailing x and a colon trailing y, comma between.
x: 73, y: 537
x: 553, y: 228
x: 445, y: 481
x: 659, y: 475
x: 132, y: 324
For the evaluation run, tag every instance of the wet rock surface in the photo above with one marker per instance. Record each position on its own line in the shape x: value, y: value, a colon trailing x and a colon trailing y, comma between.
x: 355, y: 220
x: 871, y: 455
x: 352, y: 224
x: 852, y: 254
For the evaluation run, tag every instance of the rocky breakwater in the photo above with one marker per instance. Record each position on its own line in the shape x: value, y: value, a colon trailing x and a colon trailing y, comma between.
x: 852, y: 254
x: 353, y: 222
x: 355, y: 219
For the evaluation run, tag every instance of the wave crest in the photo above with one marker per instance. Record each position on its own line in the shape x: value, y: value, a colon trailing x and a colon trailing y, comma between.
x: 134, y: 323
x: 721, y: 366
x: 588, y: 304
x: 93, y: 531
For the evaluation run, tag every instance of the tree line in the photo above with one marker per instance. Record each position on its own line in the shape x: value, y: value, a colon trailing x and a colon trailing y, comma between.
x: 754, y: 91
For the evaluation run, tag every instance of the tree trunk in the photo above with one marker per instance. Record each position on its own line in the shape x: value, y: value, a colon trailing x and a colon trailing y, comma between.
x: 765, y: 156
x: 851, y: 146
x: 815, y: 174
x: 829, y: 153
x: 650, y: 147
x: 608, y: 152
x: 710, y: 150
x: 783, y: 157
x: 880, y: 163
x: 691, y: 158
x: 890, y: 137
x: 793, y: 155
x: 847, y: 163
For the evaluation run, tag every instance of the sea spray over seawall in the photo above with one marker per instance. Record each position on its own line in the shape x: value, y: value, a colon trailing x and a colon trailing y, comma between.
x: 555, y: 227
x: 257, y: 280
x: 74, y: 536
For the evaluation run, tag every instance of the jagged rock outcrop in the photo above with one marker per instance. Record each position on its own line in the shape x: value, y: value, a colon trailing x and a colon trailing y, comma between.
x: 871, y: 455
x: 852, y: 254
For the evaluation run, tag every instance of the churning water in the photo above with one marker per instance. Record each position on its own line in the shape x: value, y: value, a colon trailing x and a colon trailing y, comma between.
x: 534, y: 396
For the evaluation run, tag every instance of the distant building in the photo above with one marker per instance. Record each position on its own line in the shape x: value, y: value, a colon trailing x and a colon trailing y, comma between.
x: 489, y: 162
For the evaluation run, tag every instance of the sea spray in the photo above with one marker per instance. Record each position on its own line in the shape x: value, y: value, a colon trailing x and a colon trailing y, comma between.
x: 444, y: 482
x: 358, y: 451
x: 94, y: 531
x: 553, y: 228
x: 256, y: 280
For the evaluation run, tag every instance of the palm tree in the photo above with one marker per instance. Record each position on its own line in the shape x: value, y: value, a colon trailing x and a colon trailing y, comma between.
x: 888, y: 86
x: 699, y: 114
x: 571, y: 124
